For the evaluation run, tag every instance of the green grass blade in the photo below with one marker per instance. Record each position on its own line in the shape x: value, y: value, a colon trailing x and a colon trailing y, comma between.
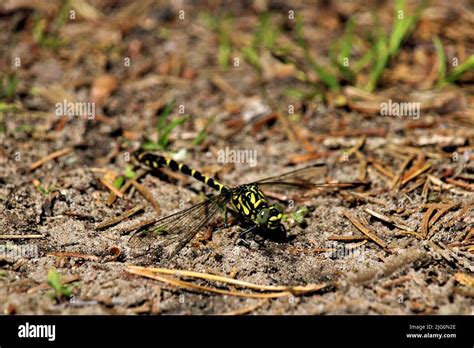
x: 118, y: 182
x: 265, y: 34
x: 346, y: 43
x: 225, y: 48
x: 380, y: 55
x: 441, y: 57
x: 164, y: 137
x: 402, y: 26
x: 12, y: 85
x: 457, y: 72
x: 251, y: 56
x: 164, y: 114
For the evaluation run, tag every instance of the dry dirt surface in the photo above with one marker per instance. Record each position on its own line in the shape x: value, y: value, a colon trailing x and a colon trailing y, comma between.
x: 86, y: 83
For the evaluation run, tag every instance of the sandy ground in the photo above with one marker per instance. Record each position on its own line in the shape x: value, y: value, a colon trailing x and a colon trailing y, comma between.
x: 409, y: 274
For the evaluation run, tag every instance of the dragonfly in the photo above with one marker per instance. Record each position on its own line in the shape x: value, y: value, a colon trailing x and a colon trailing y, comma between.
x: 247, y: 202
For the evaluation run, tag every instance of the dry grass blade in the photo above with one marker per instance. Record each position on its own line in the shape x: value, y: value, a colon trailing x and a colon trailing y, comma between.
x: 388, y: 220
x: 348, y: 238
x: 360, y: 143
x: 426, y: 221
x: 465, y: 279
x: 296, y: 159
x: 50, y: 157
x: 72, y: 254
x: 440, y: 210
x: 362, y: 171
x: 125, y: 187
x: 381, y: 168
x: 365, y: 230
x: 213, y: 277
x: 460, y: 183
x: 217, y: 278
x: 349, y: 133
x: 121, y: 217
x: 151, y: 273
x: 396, y: 180
x: 139, y: 225
x: 147, y: 195
x: 443, y: 209
x: 21, y: 236
x: 414, y: 172
x: 111, y: 187
x: 223, y: 85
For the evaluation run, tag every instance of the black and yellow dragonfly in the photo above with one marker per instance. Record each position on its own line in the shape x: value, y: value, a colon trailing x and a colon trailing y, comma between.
x: 249, y: 203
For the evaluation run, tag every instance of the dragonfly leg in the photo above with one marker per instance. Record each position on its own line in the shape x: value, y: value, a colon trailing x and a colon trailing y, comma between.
x: 225, y: 217
x: 227, y: 210
x: 243, y: 235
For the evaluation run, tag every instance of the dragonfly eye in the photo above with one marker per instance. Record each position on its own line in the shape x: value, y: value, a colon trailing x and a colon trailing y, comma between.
x: 263, y: 215
x: 278, y: 208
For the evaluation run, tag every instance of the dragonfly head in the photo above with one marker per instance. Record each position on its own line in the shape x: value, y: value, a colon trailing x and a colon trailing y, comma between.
x: 270, y: 217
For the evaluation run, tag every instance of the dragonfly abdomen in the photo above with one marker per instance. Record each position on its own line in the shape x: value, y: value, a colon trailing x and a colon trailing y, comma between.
x: 155, y: 161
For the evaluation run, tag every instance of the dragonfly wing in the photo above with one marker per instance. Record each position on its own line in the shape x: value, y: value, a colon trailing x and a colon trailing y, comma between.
x: 300, y: 180
x: 310, y: 173
x: 170, y: 234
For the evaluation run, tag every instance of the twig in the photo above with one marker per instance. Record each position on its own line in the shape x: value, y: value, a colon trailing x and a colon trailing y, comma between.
x: 139, y: 225
x: 460, y: 183
x: 353, y: 149
x: 443, y: 210
x: 115, y: 220
x: 125, y: 187
x: 388, y: 220
x: 72, y: 254
x: 21, y: 236
x: 414, y: 173
x: 50, y: 157
x: 147, y: 195
x: 111, y: 187
x: 218, y: 278
x: 190, y: 286
x: 396, y: 180
x: 365, y: 230
x: 348, y: 238
x: 362, y: 175
x: 426, y: 221
x: 295, y: 159
x: 381, y: 168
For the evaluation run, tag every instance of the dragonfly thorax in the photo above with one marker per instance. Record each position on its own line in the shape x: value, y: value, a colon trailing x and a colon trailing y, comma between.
x: 250, y: 202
